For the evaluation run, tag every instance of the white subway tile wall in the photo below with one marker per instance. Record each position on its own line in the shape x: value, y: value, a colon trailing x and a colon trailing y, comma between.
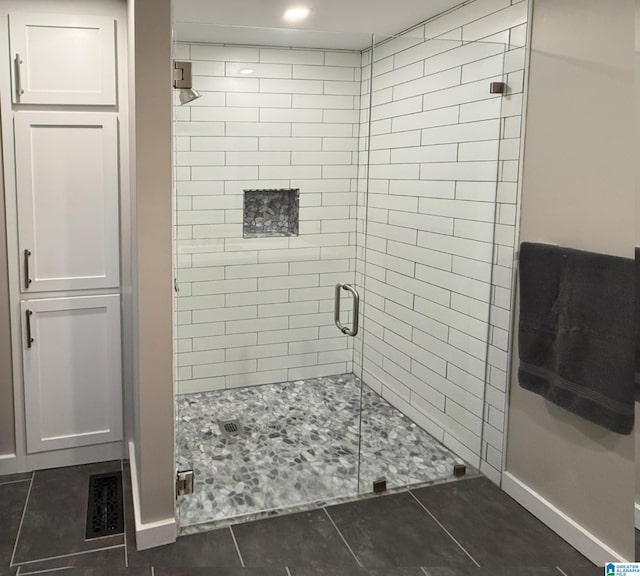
x: 438, y: 290
x: 256, y: 310
x: 436, y: 309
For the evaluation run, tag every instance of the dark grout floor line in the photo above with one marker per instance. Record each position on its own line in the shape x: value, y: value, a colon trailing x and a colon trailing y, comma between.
x: 444, y: 529
x: 24, y: 511
x: 235, y: 542
x: 343, y: 538
x: 81, y: 553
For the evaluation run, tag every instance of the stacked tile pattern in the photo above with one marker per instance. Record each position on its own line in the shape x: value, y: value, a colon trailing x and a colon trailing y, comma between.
x: 258, y: 310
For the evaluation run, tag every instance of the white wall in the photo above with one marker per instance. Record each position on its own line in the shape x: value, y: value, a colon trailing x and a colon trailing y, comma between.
x: 152, y: 441
x: 578, y: 191
x: 258, y: 310
x: 433, y: 278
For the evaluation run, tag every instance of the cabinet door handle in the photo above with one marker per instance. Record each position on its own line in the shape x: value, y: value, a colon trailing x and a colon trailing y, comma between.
x: 30, y: 340
x: 19, y: 89
x: 27, y: 279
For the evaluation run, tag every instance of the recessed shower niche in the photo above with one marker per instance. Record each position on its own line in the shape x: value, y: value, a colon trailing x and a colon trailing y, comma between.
x: 271, y: 213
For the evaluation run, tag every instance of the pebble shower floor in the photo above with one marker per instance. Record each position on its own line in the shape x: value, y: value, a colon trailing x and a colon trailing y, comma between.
x: 299, y: 443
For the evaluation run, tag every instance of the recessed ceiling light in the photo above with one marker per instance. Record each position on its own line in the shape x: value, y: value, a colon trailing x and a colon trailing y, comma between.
x: 246, y: 71
x: 296, y: 14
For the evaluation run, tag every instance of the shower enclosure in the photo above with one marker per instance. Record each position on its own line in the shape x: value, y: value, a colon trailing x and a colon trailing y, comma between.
x: 335, y: 208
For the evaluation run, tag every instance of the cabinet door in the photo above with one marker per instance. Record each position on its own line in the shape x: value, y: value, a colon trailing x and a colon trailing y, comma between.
x: 72, y: 374
x: 63, y: 59
x: 67, y: 187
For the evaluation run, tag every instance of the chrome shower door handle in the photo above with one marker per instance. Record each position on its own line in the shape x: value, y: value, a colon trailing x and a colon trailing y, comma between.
x: 356, y: 309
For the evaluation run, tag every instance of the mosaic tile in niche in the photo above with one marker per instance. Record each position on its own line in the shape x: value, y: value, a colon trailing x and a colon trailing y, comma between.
x: 271, y: 212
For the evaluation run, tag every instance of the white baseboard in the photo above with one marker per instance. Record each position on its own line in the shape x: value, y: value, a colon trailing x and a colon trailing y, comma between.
x: 149, y: 534
x: 637, y: 515
x: 579, y: 537
x: 19, y: 463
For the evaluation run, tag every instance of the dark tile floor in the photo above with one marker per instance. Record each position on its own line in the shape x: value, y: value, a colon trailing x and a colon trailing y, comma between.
x: 463, y: 528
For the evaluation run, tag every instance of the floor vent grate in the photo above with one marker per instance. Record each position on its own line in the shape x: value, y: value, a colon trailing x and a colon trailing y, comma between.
x: 105, y: 515
x: 230, y: 427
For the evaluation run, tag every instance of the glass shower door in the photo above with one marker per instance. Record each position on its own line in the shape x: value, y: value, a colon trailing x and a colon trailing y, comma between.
x: 427, y: 255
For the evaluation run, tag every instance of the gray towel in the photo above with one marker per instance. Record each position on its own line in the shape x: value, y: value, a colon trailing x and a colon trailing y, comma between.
x: 576, y: 332
x: 637, y: 323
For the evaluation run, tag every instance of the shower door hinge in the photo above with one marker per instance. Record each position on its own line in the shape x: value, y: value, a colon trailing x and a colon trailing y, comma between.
x: 184, y: 482
x: 182, y: 74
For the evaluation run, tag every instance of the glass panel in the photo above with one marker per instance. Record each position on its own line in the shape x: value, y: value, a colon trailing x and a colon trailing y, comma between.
x: 268, y: 407
x: 426, y: 231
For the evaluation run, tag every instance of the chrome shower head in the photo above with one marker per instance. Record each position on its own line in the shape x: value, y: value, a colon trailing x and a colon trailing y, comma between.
x: 187, y: 95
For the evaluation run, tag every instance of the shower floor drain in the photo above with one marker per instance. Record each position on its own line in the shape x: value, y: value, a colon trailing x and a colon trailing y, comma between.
x: 230, y: 427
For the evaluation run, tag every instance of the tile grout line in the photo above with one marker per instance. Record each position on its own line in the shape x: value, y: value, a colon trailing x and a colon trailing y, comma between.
x: 237, y: 547
x: 24, y: 512
x: 81, y: 553
x: 15, y: 481
x: 124, y: 513
x: 443, y: 528
x: 561, y: 571
x: 343, y: 538
x: 59, y: 569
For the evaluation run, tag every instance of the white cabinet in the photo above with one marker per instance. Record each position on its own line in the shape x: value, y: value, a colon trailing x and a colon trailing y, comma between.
x: 64, y: 144
x: 67, y: 191
x: 72, y: 372
x: 63, y: 59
